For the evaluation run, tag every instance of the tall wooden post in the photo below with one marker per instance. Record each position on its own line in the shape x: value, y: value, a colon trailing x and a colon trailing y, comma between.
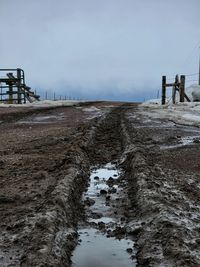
x: 174, y: 89
x: 1, y: 93
x: 174, y: 94
x: 10, y: 94
x: 182, y: 88
x: 163, y: 89
x: 19, y: 92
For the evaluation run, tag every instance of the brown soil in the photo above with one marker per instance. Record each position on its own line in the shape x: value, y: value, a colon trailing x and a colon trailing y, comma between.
x: 45, y: 160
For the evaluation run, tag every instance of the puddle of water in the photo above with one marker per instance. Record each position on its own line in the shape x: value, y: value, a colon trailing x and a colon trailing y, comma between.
x: 98, y: 180
x: 102, y: 219
x: 42, y: 119
x: 96, y: 249
x: 99, y: 251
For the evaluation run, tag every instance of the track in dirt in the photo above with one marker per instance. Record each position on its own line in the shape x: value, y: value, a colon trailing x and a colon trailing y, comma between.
x: 107, y: 142
x: 105, y: 226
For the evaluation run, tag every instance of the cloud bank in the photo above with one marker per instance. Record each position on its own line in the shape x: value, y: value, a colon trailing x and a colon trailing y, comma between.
x: 111, y: 49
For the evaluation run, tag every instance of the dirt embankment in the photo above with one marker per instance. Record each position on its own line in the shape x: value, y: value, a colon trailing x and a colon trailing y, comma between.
x: 41, y: 166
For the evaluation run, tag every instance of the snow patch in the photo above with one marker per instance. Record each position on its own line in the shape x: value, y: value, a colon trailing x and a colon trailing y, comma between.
x: 91, y: 109
x: 44, y: 103
x: 193, y: 92
x: 187, y: 113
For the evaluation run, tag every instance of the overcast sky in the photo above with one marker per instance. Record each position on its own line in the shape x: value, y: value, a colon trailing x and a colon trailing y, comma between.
x: 113, y: 49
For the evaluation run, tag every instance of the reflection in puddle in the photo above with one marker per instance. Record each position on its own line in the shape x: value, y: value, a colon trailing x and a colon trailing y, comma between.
x: 42, y: 119
x: 96, y: 248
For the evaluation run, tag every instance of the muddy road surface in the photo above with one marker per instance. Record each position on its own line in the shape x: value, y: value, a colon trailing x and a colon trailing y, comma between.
x: 97, y: 184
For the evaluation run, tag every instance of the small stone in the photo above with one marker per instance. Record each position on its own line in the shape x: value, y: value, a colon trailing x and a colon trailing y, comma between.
x: 103, y: 192
x: 110, y: 181
x: 133, y: 257
x: 112, y: 190
x: 95, y: 215
x: 129, y: 250
x: 119, y: 231
x: 96, y: 178
x: 101, y: 225
x: 89, y: 201
x: 108, y: 198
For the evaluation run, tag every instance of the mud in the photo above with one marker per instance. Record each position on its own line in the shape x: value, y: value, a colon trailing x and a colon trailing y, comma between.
x: 164, y: 192
x: 46, y: 158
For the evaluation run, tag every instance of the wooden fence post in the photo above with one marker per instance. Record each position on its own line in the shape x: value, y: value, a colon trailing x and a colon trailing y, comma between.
x: 174, y: 89
x: 163, y: 89
x: 182, y: 88
x: 174, y: 94
x: 19, y: 93
x: 10, y: 92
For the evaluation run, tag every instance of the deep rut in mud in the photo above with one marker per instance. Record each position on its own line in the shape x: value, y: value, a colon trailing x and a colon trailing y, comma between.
x: 103, y: 236
x: 107, y: 142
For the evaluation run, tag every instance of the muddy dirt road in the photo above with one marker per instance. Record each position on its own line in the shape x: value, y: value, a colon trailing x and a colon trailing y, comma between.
x: 97, y: 171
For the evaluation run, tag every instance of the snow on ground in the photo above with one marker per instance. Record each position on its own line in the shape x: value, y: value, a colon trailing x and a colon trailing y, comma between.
x: 193, y: 92
x: 45, y: 103
x: 187, y: 113
x: 93, y: 112
x: 182, y: 113
x: 91, y: 109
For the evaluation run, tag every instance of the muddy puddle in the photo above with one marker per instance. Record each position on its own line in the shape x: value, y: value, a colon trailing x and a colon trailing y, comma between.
x: 103, y: 241
x: 37, y: 119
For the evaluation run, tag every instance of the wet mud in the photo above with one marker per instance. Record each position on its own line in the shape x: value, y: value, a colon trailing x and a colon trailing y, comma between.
x: 59, y: 198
